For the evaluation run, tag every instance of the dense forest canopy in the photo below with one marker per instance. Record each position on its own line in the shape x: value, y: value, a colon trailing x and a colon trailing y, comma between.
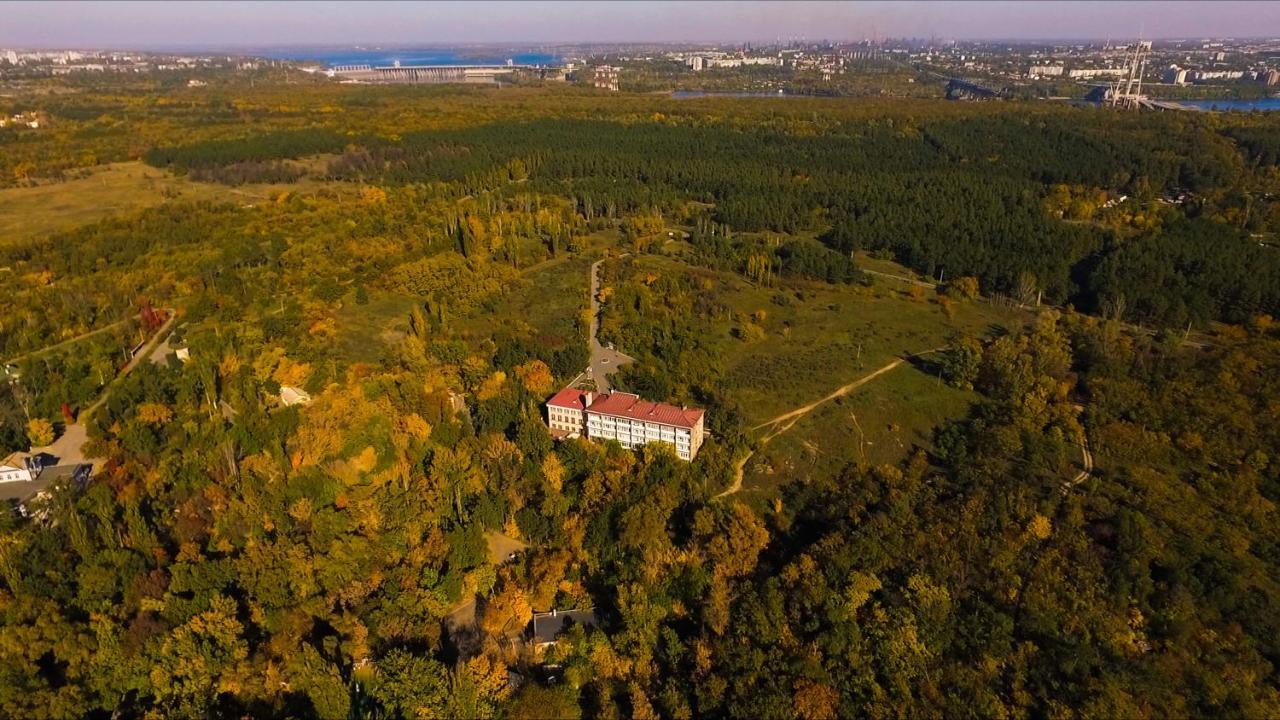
x: 964, y: 196
x: 416, y: 261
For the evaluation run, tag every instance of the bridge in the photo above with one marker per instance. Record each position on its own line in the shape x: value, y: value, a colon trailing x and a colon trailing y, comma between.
x: 1109, y: 96
x: 439, y: 74
x: 1148, y: 104
x: 961, y: 89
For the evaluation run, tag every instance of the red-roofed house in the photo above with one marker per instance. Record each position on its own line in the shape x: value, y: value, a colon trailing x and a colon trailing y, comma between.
x: 626, y: 418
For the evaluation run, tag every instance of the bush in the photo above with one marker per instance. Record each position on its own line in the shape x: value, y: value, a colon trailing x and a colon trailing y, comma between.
x: 963, y: 288
x: 40, y: 432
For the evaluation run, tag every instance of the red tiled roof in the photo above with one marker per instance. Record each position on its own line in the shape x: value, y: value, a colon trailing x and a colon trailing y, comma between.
x: 631, y: 406
x: 570, y: 398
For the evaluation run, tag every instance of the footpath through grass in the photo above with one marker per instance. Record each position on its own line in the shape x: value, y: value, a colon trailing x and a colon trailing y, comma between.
x: 819, y: 337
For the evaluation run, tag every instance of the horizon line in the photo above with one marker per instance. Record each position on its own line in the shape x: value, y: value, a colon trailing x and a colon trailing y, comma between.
x: 158, y: 47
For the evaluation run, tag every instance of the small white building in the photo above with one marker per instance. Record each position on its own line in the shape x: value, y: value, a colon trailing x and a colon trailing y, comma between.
x: 290, y: 395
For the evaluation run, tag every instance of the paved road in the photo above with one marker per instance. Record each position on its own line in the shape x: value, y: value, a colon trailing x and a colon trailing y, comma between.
x: 500, y: 549
x: 69, y: 447
x: 143, y: 353
x: 603, y: 360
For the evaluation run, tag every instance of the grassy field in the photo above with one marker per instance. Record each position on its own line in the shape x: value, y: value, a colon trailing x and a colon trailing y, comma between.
x: 542, y: 308
x: 546, y: 304
x: 820, y: 337
x: 366, y: 332
x: 29, y: 212
x: 880, y: 423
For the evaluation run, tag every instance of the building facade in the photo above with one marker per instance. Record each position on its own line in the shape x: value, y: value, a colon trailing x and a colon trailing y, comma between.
x: 1175, y: 75
x: 566, y: 412
x: 626, y: 418
x: 605, y: 77
x: 8, y: 473
x: 1045, y: 71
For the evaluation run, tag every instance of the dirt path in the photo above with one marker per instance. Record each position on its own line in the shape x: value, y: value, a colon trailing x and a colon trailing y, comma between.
x: 1086, y: 458
x: 69, y: 341
x: 739, y: 469
x: 899, y: 278
x: 785, y: 421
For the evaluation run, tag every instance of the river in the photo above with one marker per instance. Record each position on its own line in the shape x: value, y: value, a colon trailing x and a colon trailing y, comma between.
x: 1266, y: 104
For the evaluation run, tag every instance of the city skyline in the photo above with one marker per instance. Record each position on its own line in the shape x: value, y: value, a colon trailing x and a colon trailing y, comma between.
x: 145, y: 25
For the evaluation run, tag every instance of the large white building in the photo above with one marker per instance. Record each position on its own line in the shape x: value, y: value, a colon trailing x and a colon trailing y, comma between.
x: 1203, y: 75
x: 1045, y: 71
x: 605, y: 77
x: 626, y: 418
x: 1089, y: 73
x: 1175, y: 75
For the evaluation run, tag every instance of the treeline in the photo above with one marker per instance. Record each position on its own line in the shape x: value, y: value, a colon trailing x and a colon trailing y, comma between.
x: 953, y: 197
x: 269, y: 171
x: 1193, y: 272
x: 1261, y: 144
x: 948, y: 193
x: 278, y: 145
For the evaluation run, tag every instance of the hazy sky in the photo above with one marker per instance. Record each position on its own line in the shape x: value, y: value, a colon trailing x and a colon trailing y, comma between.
x: 174, y: 24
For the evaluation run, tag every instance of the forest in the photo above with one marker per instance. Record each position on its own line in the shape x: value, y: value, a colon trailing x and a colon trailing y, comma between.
x: 423, y: 278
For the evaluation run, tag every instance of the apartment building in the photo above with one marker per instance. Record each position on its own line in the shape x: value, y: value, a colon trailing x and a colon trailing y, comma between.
x: 626, y: 418
x: 605, y: 77
x: 1046, y: 71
